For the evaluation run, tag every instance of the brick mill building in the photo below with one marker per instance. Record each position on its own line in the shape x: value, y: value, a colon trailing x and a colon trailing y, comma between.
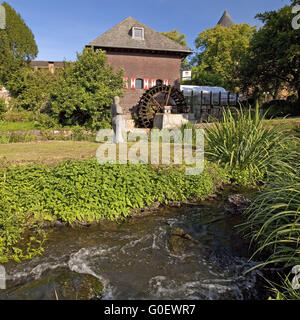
x: 146, y: 56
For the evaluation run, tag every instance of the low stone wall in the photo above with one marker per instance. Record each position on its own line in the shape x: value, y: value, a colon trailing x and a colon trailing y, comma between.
x: 171, y: 121
x: 45, y: 135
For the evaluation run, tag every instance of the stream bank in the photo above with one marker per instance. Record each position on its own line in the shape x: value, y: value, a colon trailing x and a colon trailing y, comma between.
x: 191, y: 252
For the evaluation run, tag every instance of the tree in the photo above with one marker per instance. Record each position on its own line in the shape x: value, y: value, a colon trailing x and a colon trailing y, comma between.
x: 202, y: 77
x: 176, y: 36
x: 220, y: 51
x: 179, y: 38
x: 274, y: 57
x: 31, y: 89
x: 295, y: 2
x: 85, y: 92
x: 17, y: 44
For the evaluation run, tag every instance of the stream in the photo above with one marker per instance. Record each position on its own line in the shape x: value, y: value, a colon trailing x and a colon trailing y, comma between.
x: 192, y: 252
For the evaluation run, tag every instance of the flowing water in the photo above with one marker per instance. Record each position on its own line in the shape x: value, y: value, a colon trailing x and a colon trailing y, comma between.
x: 133, y: 259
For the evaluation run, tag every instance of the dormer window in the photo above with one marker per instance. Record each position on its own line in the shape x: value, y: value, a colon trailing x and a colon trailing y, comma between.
x: 138, y: 33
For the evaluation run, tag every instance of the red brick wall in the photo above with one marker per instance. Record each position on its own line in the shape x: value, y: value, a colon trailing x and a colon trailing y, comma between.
x: 144, y: 66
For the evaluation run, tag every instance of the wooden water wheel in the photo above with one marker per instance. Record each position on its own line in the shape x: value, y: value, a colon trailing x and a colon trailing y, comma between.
x: 155, y: 99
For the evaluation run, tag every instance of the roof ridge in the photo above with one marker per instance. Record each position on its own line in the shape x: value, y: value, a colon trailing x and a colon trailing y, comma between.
x: 119, y: 36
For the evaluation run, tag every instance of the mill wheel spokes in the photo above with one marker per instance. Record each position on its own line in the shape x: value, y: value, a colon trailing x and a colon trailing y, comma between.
x: 155, y: 99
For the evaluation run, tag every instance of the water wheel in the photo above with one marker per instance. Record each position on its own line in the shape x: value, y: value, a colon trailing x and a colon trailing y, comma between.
x: 155, y: 99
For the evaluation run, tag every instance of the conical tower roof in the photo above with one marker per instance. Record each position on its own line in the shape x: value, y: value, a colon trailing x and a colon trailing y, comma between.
x: 226, y: 20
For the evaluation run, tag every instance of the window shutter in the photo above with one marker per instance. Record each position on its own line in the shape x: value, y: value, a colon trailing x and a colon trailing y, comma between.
x: 153, y: 82
x: 125, y: 79
x: 132, y: 83
x: 146, y: 84
x: 166, y: 82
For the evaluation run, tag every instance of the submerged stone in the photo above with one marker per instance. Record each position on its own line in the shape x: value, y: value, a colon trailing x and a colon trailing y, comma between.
x: 180, y: 241
x: 59, y: 284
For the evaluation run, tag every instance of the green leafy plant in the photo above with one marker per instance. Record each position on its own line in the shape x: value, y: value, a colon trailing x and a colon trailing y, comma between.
x: 3, y: 109
x: 89, y: 192
x: 241, y: 143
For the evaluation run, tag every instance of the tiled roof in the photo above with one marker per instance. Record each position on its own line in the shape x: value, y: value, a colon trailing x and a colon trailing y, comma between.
x: 226, y: 20
x: 120, y: 37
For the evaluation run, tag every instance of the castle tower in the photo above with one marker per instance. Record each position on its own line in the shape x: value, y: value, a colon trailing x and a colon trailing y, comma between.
x: 226, y: 20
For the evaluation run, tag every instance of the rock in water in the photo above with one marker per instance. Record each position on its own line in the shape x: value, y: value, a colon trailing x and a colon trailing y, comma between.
x: 237, y: 204
x: 179, y: 241
x: 59, y: 284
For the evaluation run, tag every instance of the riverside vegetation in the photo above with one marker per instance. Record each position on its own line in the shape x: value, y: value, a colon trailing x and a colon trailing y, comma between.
x: 240, y: 150
x: 85, y: 191
x: 271, y: 158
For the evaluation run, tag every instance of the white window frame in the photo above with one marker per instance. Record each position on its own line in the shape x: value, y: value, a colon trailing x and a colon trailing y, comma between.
x: 133, y: 33
x: 142, y: 81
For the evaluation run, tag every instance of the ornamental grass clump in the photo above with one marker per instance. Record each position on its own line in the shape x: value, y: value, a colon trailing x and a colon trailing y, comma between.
x: 273, y: 223
x: 273, y: 226
x: 242, y: 144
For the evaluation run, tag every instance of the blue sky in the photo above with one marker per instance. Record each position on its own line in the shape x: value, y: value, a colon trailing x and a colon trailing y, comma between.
x: 63, y: 27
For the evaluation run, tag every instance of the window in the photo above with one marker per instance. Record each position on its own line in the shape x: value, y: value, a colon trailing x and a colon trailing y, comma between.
x: 138, y: 33
x: 139, y: 84
x: 159, y: 82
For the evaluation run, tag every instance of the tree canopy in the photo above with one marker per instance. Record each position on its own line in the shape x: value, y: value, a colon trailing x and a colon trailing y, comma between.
x: 31, y: 89
x: 86, y: 90
x: 17, y: 44
x: 202, y: 77
x: 220, y: 51
x: 176, y: 36
x: 181, y: 39
x: 274, y: 56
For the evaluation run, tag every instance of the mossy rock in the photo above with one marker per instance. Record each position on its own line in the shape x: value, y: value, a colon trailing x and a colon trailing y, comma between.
x: 180, y: 241
x: 59, y: 284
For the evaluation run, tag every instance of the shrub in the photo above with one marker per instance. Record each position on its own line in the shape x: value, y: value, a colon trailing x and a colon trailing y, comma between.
x: 242, y: 143
x: 31, y: 89
x: 85, y: 92
x: 44, y: 121
x: 4, y: 138
x: 2, y: 109
x: 281, y: 108
x: 19, y: 116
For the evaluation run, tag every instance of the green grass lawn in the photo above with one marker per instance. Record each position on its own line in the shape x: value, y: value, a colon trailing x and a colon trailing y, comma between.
x: 15, y: 126
x: 50, y: 152
x: 47, y: 152
x: 291, y: 124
